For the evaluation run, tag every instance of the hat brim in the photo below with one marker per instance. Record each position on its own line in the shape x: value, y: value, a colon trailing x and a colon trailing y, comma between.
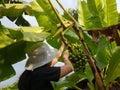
x: 40, y: 56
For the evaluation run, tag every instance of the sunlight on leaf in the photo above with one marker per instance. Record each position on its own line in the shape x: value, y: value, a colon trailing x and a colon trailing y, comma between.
x: 34, y: 33
x: 5, y: 41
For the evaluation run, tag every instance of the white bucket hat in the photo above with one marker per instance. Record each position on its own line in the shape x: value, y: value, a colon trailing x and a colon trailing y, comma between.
x: 40, y: 56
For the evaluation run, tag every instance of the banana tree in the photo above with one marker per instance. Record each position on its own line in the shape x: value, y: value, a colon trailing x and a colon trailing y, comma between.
x: 93, y: 15
x: 96, y: 24
x: 103, y: 54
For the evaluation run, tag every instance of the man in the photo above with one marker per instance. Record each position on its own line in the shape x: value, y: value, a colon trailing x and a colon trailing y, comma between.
x: 40, y: 70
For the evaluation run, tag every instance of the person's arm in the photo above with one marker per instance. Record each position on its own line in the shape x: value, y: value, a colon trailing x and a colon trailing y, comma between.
x: 59, y: 53
x: 67, y: 68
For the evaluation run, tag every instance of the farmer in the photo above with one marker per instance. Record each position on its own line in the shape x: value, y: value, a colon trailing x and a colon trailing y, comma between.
x: 40, y: 69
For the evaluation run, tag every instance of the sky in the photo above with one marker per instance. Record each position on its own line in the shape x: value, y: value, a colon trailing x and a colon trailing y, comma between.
x: 19, y: 67
x: 73, y: 4
x: 118, y: 5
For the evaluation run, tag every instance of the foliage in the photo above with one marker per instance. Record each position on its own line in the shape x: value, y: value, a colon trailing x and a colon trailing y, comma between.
x: 16, y: 42
x: 119, y: 18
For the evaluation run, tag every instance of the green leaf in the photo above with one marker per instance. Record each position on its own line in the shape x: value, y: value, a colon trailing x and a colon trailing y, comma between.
x: 71, y: 81
x: 54, y: 42
x: 9, y: 36
x: 97, y: 13
x: 95, y: 7
x: 62, y: 84
x: 111, y: 13
x: 12, y: 11
x: 101, y: 54
x: 13, y: 46
x: 76, y: 77
x: 6, y: 71
x: 34, y: 34
x: 10, y: 55
x: 2, y: 2
x: 114, y: 67
x: 71, y: 35
x: 14, y: 34
x: 84, y: 15
x: 89, y: 75
x: 44, y: 14
x: 5, y: 41
x: 91, y: 45
x: 48, y: 10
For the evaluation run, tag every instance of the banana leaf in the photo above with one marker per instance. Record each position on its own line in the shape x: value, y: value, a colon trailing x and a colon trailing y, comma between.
x: 111, y: 13
x: 34, y: 34
x: 12, y: 11
x: 114, y: 66
x: 8, y: 56
x: 44, y: 14
x: 95, y: 8
x: 101, y: 54
x: 14, y: 46
x: 84, y: 15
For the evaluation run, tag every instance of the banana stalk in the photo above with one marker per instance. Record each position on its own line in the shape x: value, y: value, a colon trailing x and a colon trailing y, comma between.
x: 79, y: 32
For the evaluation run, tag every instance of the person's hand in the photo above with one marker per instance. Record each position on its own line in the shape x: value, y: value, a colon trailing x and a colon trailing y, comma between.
x: 66, y: 54
x: 67, y: 67
x: 62, y: 44
x: 60, y: 51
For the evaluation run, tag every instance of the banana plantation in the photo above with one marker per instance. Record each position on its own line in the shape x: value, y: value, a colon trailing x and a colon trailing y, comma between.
x: 91, y: 33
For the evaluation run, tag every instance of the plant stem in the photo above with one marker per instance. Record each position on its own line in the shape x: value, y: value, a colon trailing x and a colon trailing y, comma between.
x: 97, y: 75
x: 98, y: 78
x: 77, y: 88
x: 66, y: 11
x: 58, y: 16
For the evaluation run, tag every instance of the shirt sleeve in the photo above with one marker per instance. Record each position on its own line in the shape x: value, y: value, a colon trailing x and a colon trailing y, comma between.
x: 47, y: 73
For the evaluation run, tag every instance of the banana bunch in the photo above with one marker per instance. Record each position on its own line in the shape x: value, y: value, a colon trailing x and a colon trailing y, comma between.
x: 77, y: 57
